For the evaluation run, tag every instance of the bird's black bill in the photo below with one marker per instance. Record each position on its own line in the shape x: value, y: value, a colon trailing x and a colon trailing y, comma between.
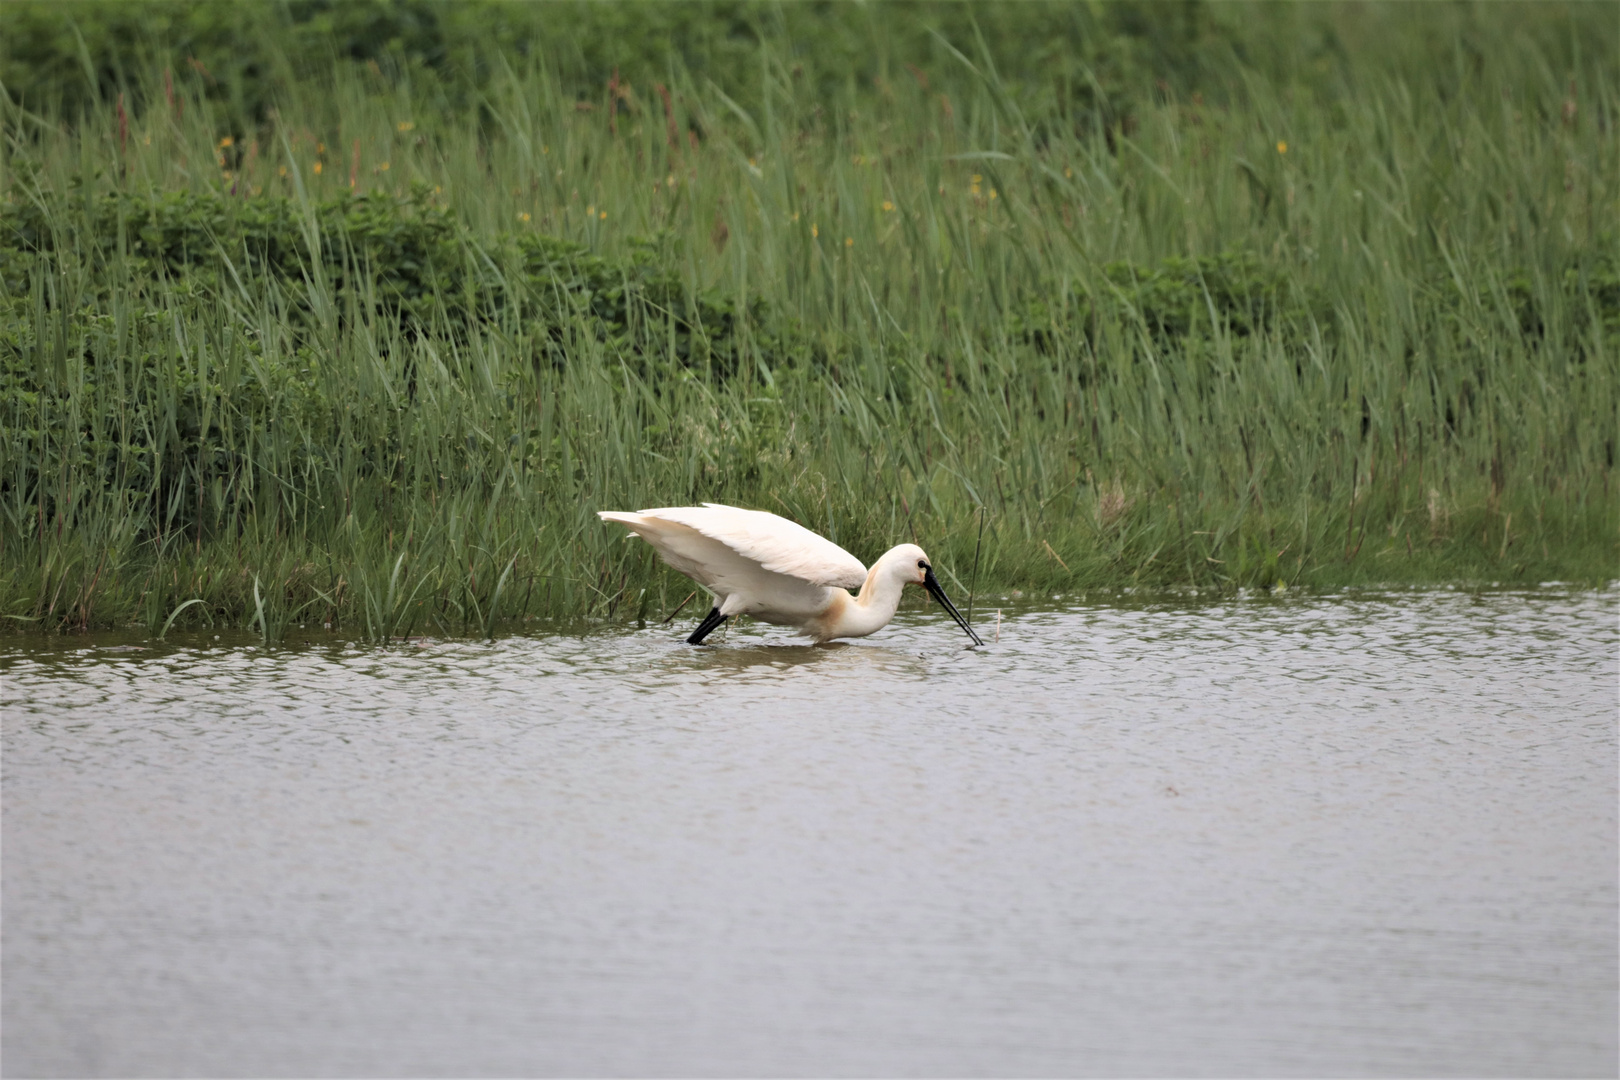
x: 931, y: 583
x: 707, y: 626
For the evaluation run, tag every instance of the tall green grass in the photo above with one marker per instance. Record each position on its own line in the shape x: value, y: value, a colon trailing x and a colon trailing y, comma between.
x: 1348, y: 315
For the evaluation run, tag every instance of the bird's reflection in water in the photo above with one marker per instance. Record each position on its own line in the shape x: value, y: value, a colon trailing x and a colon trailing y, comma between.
x: 747, y: 656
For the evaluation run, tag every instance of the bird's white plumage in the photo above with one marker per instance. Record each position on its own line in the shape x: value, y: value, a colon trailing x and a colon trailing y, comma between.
x: 758, y: 564
x: 740, y: 584
x: 771, y: 542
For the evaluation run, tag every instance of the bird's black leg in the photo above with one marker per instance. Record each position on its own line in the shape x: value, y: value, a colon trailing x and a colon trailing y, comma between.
x: 710, y: 621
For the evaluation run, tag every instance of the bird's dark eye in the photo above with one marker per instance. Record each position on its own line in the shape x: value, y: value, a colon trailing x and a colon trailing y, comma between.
x: 922, y: 564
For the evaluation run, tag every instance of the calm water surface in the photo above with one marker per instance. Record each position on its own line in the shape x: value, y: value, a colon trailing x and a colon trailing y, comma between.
x: 1359, y: 835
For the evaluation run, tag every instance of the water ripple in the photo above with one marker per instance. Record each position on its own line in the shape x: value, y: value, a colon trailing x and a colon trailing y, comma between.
x: 1362, y: 834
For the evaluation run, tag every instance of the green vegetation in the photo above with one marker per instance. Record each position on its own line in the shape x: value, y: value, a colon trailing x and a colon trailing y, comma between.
x: 357, y: 313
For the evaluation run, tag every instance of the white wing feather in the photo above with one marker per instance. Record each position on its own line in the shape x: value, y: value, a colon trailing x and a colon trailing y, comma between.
x: 771, y: 542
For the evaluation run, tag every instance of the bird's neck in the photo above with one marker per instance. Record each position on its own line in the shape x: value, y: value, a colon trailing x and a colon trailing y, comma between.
x: 872, y: 608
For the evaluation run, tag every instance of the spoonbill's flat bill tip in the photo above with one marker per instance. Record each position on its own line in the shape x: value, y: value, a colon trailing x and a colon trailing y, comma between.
x: 756, y: 563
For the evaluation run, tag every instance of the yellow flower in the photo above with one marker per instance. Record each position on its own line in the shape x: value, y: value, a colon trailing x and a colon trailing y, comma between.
x: 795, y: 216
x: 590, y: 211
x: 977, y: 179
x: 437, y: 189
x: 282, y: 171
x: 523, y: 216
x: 602, y: 216
x: 1068, y: 174
x: 887, y: 206
x: 226, y: 141
x: 317, y: 168
x: 992, y: 193
x: 320, y: 148
x: 849, y: 241
x: 814, y: 232
x: 406, y: 125
x: 1282, y: 147
x: 383, y: 167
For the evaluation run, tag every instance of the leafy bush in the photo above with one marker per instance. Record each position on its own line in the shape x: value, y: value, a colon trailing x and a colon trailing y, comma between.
x: 403, y: 259
x: 400, y: 269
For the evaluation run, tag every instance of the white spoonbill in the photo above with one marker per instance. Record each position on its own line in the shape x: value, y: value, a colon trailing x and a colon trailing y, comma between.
x: 758, y: 564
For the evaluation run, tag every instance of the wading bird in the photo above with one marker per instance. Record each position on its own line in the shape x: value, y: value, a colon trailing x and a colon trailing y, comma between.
x: 758, y: 564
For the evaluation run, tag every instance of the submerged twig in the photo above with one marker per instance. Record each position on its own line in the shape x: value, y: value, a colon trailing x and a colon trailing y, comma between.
x: 670, y: 617
x: 973, y: 582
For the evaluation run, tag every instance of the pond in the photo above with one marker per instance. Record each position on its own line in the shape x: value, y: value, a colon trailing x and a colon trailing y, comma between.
x: 1368, y: 834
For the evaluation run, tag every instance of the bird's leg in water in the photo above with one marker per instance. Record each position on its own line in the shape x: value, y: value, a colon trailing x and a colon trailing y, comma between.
x: 710, y: 621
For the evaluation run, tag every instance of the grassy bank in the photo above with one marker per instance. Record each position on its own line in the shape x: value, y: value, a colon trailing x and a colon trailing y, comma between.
x: 372, y: 343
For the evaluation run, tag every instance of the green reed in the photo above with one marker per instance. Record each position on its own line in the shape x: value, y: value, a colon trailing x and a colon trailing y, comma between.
x: 935, y: 304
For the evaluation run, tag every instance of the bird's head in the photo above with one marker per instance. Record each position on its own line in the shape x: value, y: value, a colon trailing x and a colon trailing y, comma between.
x: 911, y: 564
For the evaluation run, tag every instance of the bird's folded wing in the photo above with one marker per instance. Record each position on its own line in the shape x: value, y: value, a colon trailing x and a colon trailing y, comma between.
x: 775, y: 543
